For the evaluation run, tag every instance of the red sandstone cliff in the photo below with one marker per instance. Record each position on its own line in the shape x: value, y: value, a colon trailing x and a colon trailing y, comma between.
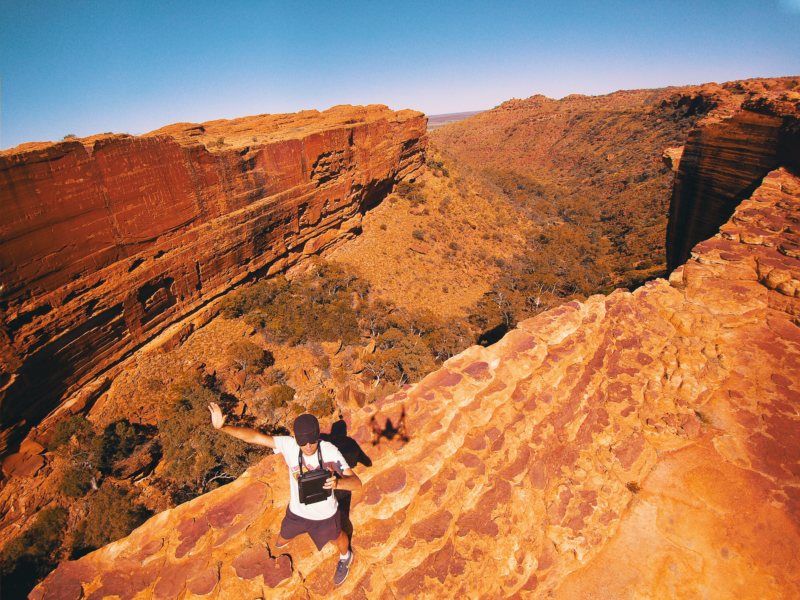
x: 107, y: 241
x: 725, y: 158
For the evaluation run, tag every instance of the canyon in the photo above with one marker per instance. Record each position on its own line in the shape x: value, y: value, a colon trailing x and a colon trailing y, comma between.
x: 640, y: 444
x: 615, y: 152
x: 109, y: 242
x: 637, y: 444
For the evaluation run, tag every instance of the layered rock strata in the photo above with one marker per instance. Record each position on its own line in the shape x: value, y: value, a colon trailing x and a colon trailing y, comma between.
x: 725, y: 158
x: 107, y: 241
x: 637, y: 445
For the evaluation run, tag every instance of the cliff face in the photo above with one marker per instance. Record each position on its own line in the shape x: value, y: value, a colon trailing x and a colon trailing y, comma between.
x: 637, y: 445
x: 725, y: 158
x: 107, y: 241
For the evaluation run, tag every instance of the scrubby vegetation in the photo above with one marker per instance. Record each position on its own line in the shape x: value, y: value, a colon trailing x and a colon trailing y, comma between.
x: 331, y: 303
x: 317, y: 307
x: 113, y: 513
x: 594, y: 158
x: 27, y: 559
x: 196, y: 457
x: 89, y: 456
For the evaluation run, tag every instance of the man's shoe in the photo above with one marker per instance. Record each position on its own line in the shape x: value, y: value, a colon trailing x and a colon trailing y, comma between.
x: 277, y: 545
x: 343, y: 569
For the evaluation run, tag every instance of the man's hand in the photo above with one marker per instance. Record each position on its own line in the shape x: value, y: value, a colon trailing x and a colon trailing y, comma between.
x: 217, y: 418
x: 332, y: 482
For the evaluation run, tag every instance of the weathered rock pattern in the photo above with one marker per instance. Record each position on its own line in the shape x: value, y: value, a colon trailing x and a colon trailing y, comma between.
x: 726, y: 156
x: 105, y: 242
x: 637, y: 445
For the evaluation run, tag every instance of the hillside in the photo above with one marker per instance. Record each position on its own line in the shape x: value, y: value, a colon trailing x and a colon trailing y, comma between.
x: 601, y: 155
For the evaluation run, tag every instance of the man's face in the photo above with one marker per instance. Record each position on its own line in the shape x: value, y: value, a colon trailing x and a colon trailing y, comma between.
x: 309, y: 449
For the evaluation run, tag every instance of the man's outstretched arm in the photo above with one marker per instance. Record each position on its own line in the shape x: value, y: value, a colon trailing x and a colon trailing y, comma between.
x: 243, y: 433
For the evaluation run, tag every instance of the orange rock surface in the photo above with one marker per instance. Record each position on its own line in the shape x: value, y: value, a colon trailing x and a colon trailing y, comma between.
x: 637, y: 445
x: 105, y: 242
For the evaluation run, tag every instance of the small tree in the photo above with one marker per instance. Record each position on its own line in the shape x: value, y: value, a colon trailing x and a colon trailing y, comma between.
x: 196, y: 456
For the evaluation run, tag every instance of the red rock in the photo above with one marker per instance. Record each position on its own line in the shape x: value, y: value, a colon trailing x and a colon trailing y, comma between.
x: 478, y: 370
x: 389, y: 482
x: 256, y: 561
x: 65, y: 582
x: 190, y: 531
x: 204, y: 583
x: 173, y: 577
x: 720, y: 162
x: 244, y: 502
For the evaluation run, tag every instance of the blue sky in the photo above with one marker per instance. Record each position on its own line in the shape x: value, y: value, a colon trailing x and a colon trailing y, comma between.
x: 133, y: 66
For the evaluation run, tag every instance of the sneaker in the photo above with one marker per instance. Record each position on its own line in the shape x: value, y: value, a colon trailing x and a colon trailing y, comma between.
x: 277, y: 545
x: 343, y: 569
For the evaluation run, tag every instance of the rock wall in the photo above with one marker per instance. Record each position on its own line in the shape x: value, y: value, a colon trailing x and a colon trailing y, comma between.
x: 107, y: 241
x: 725, y: 158
x: 637, y: 445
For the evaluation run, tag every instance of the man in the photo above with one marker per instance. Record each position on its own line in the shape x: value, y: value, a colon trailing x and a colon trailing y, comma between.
x: 321, y: 520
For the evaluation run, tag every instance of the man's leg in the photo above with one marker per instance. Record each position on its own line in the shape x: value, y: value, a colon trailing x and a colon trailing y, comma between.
x: 342, y: 543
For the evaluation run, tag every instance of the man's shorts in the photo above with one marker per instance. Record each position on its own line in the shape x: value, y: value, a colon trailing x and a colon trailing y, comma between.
x: 321, y: 532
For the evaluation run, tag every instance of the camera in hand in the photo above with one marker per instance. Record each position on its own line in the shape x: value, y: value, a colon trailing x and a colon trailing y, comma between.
x: 310, y: 483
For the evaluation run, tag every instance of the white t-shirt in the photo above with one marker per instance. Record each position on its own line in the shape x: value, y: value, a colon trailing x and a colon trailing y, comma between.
x: 287, y: 446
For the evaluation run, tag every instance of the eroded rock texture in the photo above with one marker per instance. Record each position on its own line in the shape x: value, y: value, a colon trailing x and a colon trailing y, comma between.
x: 107, y: 241
x: 636, y: 445
x: 725, y: 158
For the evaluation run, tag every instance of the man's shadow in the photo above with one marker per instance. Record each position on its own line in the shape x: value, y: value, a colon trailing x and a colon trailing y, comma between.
x: 389, y: 431
x: 353, y: 455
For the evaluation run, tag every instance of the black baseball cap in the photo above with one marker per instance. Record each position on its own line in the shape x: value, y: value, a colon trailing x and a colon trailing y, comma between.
x: 306, y: 429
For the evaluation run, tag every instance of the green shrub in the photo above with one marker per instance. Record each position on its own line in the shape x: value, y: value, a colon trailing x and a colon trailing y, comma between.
x: 197, y: 457
x: 281, y: 395
x: 321, y: 407
x: 113, y: 514
x: 75, y: 483
x: 250, y: 357
x: 317, y: 306
x: 76, y: 425
x: 28, y: 558
x: 274, y: 376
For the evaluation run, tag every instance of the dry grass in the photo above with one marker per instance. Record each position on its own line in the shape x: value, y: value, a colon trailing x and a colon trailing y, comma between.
x: 463, y: 225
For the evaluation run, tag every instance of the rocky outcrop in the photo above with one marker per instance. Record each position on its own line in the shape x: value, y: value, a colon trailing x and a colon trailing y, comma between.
x: 637, y: 445
x: 725, y: 158
x: 106, y: 242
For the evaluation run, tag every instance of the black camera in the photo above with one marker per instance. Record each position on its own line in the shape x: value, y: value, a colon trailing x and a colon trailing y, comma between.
x: 310, y: 483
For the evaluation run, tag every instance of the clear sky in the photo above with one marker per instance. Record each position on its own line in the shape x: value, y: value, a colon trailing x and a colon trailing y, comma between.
x: 79, y: 67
